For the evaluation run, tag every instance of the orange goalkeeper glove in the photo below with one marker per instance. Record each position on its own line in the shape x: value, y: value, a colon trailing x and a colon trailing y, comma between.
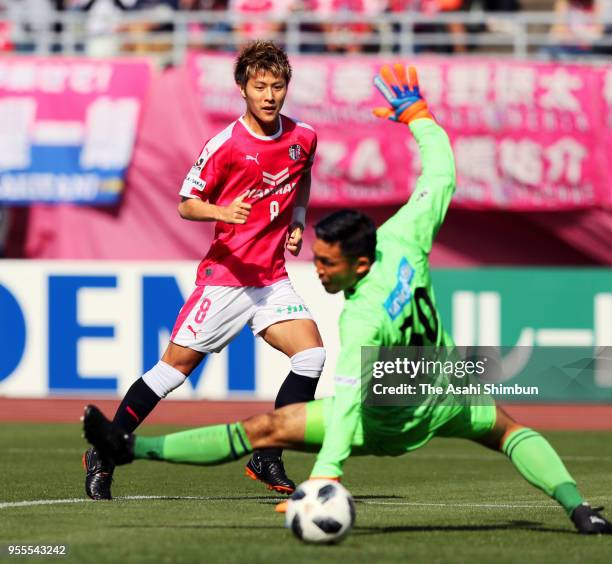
x: 403, y: 94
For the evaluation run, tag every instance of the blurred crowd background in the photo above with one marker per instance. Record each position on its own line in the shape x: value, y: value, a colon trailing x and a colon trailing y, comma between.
x: 550, y: 29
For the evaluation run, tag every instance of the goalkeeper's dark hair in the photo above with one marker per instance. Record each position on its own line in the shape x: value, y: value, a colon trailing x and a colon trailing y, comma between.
x: 353, y: 230
x: 261, y: 56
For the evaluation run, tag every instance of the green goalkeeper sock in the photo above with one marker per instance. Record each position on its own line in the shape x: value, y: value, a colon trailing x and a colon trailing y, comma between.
x: 538, y: 462
x: 205, y: 445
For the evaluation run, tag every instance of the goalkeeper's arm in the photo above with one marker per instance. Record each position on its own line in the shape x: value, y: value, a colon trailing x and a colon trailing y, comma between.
x: 420, y: 219
x: 403, y: 93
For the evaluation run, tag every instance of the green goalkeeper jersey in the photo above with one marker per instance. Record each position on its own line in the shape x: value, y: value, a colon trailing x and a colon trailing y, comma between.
x: 394, y: 304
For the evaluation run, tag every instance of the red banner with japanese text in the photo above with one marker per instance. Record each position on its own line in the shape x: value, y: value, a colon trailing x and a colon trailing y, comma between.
x: 526, y: 135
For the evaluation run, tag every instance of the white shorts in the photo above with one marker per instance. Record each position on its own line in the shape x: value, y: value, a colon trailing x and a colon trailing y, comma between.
x: 214, y: 315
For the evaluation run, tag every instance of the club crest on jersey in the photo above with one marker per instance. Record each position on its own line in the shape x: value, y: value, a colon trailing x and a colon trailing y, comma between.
x: 295, y: 152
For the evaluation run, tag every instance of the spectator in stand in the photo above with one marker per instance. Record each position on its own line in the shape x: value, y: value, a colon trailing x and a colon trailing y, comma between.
x: 5, y: 36
x: 102, y: 23
x: 256, y: 27
x: 500, y: 5
x: 456, y: 29
x: 577, y: 29
x: 105, y: 21
x: 493, y: 24
x: 604, y: 44
x: 163, y: 12
x: 432, y: 8
x: 338, y: 34
x: 202, y: 35
x: 5, y: 32
x: 38, y: 16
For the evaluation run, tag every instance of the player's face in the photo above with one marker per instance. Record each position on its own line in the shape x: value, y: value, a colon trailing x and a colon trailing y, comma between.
x: 335, y: 271
x: 264, y: 95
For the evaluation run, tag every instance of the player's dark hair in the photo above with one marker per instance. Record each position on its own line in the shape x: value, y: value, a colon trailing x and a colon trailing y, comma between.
x: 354, y: 230
x: 261, y: 56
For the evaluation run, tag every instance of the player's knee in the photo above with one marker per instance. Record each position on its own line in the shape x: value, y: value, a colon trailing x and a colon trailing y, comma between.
x: 262, y: 430
x: 309, y: 362
x: 276, y: 425
x: 272, y: 430
x: 183, y: 359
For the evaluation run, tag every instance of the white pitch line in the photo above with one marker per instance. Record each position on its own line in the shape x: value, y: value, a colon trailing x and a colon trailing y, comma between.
x: 519, y: 505
x: 5, y: 505
x: 464, y: 505
x: 484, y: 458
x: 493, y: 457
x: 44, y: 450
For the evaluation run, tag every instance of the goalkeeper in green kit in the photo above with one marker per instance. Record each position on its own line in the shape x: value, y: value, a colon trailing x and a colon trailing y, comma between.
x: 386, y: 281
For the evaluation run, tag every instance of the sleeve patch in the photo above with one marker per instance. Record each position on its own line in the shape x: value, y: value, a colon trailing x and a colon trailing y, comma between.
x: 192, y: 182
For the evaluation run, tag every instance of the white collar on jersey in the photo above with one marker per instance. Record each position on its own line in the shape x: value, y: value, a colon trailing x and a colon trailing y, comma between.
x: 264, y: 137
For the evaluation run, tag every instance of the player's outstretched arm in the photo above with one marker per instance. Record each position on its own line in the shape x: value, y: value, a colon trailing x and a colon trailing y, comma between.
x: 195, y: 209
x: 420, y: 219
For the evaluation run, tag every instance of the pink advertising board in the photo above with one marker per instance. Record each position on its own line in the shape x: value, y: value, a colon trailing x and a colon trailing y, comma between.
x: 526, y: 136
x: 67, y: 127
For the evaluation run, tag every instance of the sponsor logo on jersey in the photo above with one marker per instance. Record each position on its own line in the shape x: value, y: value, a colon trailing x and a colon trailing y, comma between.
x: 289, y: 309
x: 257, y: 193
x: 195, y: 182
x: 252, y: 158
x: 295, y: 152
x: 275, y: 182
x: 401, y: 295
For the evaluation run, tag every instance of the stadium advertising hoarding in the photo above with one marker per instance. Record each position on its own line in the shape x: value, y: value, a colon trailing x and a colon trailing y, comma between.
x: 67, y: 128
x: 526, y: 136
x: 92, y: 328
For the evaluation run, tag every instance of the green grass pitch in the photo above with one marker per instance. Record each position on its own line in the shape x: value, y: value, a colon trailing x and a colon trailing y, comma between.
x: 451, y: 502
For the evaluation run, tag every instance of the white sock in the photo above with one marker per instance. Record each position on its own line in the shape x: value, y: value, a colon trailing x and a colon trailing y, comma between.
x: 309, y: 362
x: 163, y: 378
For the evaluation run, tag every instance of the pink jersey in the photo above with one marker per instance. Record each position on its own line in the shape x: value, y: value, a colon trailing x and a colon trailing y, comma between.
x: 270, y: 168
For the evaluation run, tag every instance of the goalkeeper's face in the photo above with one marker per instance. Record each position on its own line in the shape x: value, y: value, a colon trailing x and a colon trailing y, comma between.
x: 264, y: 95
x: 335, y: 271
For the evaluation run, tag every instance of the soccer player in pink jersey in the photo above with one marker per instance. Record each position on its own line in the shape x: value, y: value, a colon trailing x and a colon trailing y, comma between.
x: 253, y: 179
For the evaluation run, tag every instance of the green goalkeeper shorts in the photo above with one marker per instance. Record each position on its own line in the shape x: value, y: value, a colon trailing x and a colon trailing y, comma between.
x: 468, y: 422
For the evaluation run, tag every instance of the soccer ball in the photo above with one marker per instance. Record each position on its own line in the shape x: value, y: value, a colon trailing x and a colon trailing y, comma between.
x: 320, y: 511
